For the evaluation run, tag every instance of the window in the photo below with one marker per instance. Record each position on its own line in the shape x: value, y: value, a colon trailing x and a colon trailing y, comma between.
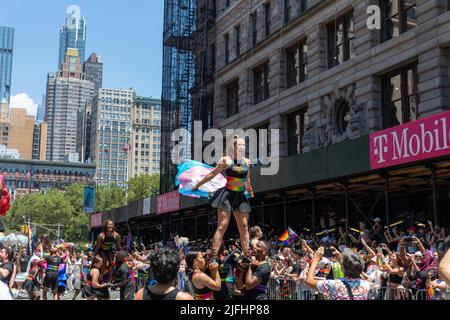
x: 398, y: 16
x: 261, y: 83
x: 254, y: 31
x: 232, y: 98
x: 340, y: 40
x: 267, y: 18
x: 296, y: 63
x: 237, y: 31
x: 297, y: 122
x: 287, y: 10
x: 399, y: 97
x: 261, y: 143
x: 226, y: 39
x: 302, y: 5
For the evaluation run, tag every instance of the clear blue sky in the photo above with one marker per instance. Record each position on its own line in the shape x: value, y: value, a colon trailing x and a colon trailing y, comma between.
x: 126, y: 34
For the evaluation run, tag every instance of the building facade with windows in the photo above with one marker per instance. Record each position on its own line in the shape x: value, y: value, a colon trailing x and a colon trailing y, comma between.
x: 17, y: 132
x: 68, y: 91
x: 111, y: 135
x: 93, y: 69
x: 146, y: 142
x: 6, y: 62
x: 72, y: 35
x: 23, y: 177
x: 316, y: 72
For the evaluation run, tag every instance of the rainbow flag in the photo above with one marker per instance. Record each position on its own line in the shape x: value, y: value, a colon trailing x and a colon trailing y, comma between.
x: 288, y: 235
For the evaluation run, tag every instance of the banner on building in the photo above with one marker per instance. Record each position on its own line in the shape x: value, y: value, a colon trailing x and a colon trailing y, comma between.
x: 168, y: 202
x: 96, y: 220
x: 418, y: 140
x: 89, y: 199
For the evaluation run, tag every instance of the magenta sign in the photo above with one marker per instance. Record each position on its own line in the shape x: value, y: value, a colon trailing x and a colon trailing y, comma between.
x: 168, y: 202
x: 96, y: 220
x: 414, y: 141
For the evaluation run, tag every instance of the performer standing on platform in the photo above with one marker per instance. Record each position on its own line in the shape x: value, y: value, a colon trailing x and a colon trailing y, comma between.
x: 232, y: 197
x: 107, y: 243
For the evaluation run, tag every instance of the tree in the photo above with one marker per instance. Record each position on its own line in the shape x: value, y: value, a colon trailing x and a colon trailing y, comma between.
x: 143, y: 186
x: 51, y: 207
x: 109, y: 197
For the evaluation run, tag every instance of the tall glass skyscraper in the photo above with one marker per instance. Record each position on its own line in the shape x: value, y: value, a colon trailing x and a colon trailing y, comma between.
x: 72, y: 34
x: 6, y: 59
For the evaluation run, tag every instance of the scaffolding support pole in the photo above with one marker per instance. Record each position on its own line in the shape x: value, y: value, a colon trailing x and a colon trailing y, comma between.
x: 346, y: 209
x: 386, y: 197
x: 435, y: 197
x: 313, y: 203
x: 195, y: 228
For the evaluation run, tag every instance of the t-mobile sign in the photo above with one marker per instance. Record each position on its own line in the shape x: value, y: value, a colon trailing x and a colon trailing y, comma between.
x: 414, y: 141
x: 168, y: 202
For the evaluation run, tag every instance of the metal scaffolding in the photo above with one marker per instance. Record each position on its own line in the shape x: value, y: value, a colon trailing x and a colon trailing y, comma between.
x: 178, y: 78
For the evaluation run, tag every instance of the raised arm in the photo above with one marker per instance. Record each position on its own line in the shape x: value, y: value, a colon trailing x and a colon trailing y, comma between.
x: 369, y: 249
x: 308, y: 248
x: 310, y: 279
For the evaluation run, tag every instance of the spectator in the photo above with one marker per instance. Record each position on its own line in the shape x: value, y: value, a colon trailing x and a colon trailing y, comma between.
x: 165, y: 265
x: 351, y: 287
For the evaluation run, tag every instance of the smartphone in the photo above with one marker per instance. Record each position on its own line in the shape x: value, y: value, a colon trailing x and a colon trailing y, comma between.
x: 328, y: 252
x: 408, y: 240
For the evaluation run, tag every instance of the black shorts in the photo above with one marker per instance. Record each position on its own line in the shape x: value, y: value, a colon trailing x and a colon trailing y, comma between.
x: 51, y: 280
x: 231, y: 201
x: 89, y: 291
x: 31, y: 286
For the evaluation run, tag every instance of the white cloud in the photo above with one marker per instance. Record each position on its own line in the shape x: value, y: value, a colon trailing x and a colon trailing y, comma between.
x: 22, y: 100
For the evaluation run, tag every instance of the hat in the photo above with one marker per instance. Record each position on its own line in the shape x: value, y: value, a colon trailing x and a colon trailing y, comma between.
x: 412, y: 228
x: 323, y: 263
x: 377, y: 219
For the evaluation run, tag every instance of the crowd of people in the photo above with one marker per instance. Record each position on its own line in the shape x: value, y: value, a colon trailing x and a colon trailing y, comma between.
x: 335, y: 264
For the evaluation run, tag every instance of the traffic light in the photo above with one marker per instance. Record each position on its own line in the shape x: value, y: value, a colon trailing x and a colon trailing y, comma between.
x: 24, y: 229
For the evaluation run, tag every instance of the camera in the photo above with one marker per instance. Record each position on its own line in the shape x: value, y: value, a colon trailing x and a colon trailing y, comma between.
x: 328, y: 253
x: 408, y: 240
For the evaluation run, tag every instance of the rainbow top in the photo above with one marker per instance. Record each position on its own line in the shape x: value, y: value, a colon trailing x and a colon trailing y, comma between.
x: 236, y: 176
x: 235, y: 184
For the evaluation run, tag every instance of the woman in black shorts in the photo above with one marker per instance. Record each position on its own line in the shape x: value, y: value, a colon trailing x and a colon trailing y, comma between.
x: 108, y: 242
x: 231, y: 198
x: 94, y: 288
x: 32, y: 284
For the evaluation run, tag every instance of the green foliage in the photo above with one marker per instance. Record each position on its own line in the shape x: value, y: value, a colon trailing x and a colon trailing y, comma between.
x: 67, y: 207
x: 143, y: 186
x: 109, y: 197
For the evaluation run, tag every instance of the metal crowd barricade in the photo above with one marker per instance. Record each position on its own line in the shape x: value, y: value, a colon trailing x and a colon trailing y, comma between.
x: 387, y: 293
x: 280, y: 288
x: 422, y: 294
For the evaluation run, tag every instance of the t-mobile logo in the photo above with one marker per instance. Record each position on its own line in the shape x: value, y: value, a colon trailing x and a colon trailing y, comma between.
x: 380, y: 147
